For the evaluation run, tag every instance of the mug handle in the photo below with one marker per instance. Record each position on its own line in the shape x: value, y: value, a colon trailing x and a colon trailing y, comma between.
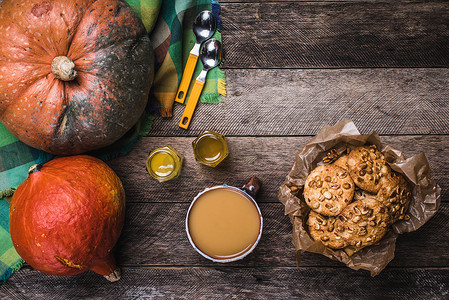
x: 252, y: 186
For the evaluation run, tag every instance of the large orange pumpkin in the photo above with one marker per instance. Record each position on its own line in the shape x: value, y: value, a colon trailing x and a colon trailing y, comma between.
x: 74, y: 74
x: 67, y: 216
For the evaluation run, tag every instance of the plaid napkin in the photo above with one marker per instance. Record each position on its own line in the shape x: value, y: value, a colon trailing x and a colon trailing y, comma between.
x: 169, y: 23
x: 174, y: 32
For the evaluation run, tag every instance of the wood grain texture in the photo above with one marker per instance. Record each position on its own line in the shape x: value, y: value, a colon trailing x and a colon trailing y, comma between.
x: 153, y: 249
x: 286, y: 102
x: 154, y: 236
x: 335, y: 34
x: 269, y: 158
x: 222, y: 282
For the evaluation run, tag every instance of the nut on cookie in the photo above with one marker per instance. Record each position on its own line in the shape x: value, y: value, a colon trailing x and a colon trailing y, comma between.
x: 328, y: 190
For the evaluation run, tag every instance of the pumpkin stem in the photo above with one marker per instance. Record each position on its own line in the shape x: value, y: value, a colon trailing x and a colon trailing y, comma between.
x: 63, y: 68
x: 34, y: 168
x: 114, y: 276
x: 106, y: 266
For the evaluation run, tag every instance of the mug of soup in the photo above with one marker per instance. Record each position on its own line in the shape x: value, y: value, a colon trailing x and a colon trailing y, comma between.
x: 224, y: 223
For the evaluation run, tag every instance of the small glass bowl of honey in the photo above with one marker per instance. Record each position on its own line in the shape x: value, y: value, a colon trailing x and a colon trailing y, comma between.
x: 164, y: 163
x: 210, y: 148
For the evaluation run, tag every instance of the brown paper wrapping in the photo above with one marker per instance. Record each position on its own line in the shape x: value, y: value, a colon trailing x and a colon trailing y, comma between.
x: 424, y: 204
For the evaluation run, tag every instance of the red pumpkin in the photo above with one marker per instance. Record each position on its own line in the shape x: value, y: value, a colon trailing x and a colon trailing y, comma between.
x: 67, y: 216
x: 74, y: 74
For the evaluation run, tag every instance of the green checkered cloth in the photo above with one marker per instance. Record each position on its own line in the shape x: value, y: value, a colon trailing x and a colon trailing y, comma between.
x: 15, y: 160
x: 9, y: 259
x: 169, y: 23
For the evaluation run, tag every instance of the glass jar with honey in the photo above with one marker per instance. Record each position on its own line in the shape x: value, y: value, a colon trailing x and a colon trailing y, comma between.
x: 210, y: 148
x: 164, y: 163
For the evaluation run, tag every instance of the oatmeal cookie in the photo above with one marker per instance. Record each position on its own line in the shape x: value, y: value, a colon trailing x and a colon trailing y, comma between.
x: 395, y: 194
x: 328, y: 189
x: 321, y: 229
x: 368, y: 168
x: 363, y: 223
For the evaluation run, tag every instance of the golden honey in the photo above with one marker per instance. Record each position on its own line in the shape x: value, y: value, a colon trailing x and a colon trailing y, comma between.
x: 164, y: 163
x: 210, y: 148
x: 223, y: 223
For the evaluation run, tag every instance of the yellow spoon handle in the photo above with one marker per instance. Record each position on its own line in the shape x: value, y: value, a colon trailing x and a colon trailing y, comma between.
x: 186, y: 78
x: 191, y: 104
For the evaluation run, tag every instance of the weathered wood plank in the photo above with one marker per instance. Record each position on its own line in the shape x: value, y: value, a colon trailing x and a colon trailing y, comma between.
x: 335, y: 34
x: 233, y: 283
x: 300, y: 102
x: 269, y: 158
x: 154, y: 235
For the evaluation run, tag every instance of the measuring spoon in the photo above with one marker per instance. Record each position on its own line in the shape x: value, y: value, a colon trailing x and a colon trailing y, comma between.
x: 204, y: 27
x: 210, y: 57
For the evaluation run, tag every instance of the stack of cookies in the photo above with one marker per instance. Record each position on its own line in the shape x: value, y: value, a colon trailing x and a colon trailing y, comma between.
x: 354, y: 200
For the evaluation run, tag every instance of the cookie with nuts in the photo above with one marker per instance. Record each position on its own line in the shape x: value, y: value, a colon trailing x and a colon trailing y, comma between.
x: 328, y: 190
x: 342, y: 161
x: 395, y: 194
x: 368, y: 168
x: 321, y: 229
x: 363, y: 223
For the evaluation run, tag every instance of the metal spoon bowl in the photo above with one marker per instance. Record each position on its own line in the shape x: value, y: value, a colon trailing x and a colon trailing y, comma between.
x: 204, y: 26
x: 211, y: 54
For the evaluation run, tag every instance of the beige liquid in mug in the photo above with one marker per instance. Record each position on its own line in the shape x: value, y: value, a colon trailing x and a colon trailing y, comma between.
x: 223, y: 223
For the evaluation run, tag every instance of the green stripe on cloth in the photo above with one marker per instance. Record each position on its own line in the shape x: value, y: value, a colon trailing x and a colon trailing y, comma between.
x: 169, y: 25
x: 10, y: 261
x: 147, y: 10
x: 6, y: 137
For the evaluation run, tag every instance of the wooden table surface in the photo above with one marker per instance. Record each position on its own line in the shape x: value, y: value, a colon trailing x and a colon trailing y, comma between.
x: 292, y: 67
